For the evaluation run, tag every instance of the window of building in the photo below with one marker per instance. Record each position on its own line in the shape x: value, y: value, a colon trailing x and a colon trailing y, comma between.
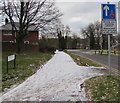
x: 26, y: 42
x: 11, y: 41
x: 7, y: 33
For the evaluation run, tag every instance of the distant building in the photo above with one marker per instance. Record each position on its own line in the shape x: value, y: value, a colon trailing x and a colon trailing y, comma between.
x: 6, y: 32
x: 49, y: 36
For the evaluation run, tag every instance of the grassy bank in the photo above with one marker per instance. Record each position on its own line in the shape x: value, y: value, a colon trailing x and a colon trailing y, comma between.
x: 103, y: 88
x: 26, y: 65
x: 99, y: 88
x: 83, y: 61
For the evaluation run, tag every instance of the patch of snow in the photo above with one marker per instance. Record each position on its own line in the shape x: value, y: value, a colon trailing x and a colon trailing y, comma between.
x: 56, y: 51
x: 58, y: 80
x: 101, y: 68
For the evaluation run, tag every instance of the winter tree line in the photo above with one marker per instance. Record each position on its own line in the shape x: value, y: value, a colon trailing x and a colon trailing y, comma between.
x: 92, y: 38
x: 97, y: 40
x: 42, y: 14
x: 45, y: 17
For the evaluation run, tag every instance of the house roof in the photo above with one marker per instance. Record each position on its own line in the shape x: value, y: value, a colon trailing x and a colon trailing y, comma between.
x: 9, y: 27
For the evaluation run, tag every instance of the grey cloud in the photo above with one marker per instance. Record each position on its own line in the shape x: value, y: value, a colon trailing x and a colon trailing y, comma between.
x: 81, y: 11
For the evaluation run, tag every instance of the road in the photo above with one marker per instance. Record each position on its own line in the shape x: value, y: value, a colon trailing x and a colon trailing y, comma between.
x: 98, y: 57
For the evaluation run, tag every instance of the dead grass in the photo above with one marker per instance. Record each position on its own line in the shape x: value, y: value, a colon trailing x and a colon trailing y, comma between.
x: 103, y: 88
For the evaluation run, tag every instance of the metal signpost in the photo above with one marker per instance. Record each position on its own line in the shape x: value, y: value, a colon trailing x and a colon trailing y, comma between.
x: 109, y: 24
x: 10, y: 58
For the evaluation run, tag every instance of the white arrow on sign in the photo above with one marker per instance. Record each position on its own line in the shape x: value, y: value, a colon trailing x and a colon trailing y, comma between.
x: 106, y: 8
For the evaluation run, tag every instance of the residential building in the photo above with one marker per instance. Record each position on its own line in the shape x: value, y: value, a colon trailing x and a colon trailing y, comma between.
x: 6, y: 32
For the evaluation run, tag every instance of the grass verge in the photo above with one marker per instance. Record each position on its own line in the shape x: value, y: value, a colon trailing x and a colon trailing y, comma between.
x: 99, y: 88
x: 82, y: 61
x: 103, y: 88
x: 105, y: 52
x: 26, y: 65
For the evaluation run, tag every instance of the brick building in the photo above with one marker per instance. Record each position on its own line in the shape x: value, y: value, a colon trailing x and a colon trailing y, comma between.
x: 6, y: 32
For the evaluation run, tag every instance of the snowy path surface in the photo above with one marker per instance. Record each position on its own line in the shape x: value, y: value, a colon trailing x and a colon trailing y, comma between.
x: 58, y: 80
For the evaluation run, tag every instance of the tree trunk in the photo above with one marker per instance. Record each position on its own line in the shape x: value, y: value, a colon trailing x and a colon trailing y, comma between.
x: 18, y: 47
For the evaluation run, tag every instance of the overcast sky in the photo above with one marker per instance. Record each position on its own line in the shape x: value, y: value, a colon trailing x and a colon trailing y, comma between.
x: 78, y: 15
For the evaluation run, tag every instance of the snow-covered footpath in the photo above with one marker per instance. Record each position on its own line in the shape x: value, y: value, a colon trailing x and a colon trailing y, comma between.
x: 58, y: 80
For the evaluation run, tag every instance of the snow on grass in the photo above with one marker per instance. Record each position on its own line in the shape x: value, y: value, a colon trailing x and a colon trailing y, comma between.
x: 58, y: 80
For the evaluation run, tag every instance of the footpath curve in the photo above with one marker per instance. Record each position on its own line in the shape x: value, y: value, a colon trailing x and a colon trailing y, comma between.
x: 58, y: 80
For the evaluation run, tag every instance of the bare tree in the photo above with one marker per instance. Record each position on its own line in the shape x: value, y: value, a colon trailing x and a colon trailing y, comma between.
x: 98, y: 35
x: 62, y: 31
x: 89, y: 32
x: 42, y: 14
x: 67, y: 30
x: 85, y: 33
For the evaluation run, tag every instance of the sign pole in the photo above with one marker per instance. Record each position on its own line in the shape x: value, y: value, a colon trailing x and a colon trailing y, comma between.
x: 11, y: 58
x: 15, y: 62
x: 109, y: 25
x: 7, y: 64
x: 109, y: 52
